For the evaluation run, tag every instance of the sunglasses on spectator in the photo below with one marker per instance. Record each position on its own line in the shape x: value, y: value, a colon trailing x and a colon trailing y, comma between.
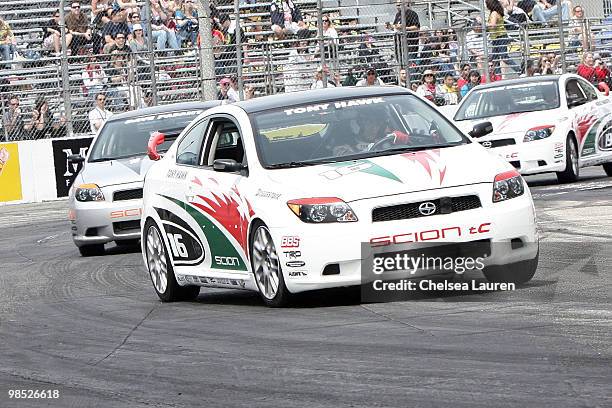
x: 75, y: 6
x: 14, y: 103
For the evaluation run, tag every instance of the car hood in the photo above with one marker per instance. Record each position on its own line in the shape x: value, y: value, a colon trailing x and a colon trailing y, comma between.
x: 514, y: 122
x: 390, y: 175
x: 114, y: 172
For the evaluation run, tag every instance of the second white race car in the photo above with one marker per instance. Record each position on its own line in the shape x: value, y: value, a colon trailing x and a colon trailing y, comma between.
x: 289, y: 193
x: 553, y: 123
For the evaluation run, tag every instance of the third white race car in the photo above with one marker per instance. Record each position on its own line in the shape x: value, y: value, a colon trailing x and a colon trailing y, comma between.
x: 553, y: 123
x: 289, y: 193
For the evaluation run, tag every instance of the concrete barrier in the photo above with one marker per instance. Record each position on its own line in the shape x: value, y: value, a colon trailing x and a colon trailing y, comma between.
x: 38, y: 170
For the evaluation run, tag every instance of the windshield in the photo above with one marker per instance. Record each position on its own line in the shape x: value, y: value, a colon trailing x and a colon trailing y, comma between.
x: 346, y: 129
x: 504, y: 100
x: 129, y: 138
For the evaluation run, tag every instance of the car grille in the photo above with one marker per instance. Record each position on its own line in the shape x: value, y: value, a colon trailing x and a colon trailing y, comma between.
x: 123, y: 195
x: 444, y: 205
x: 498, y: 143
x: 123, y: 227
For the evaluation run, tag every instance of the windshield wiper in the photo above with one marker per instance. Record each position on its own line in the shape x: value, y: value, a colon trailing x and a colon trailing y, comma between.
x: 127, y: 156
x: 418, y: 148
x: 300, y: 164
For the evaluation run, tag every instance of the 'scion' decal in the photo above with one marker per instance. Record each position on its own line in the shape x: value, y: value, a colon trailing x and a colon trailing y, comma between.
x: 220, y: 246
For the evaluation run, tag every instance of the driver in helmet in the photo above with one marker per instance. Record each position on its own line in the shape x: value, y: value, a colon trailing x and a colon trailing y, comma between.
x: 365, y: 133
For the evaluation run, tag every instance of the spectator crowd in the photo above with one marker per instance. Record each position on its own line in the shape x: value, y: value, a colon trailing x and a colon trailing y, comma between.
x: 114, y: 39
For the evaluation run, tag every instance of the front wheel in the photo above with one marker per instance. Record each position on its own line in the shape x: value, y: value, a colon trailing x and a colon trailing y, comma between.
x: 267, y: 268
x: 608, y: 169
x: 160, y: 268
x: 572, y: 166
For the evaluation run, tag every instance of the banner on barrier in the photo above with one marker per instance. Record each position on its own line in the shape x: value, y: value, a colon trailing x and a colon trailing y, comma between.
x: 66, y: 172
x: 10, y: 173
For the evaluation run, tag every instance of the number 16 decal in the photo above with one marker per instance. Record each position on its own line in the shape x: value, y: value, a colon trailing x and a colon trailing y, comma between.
x: 179, y: 250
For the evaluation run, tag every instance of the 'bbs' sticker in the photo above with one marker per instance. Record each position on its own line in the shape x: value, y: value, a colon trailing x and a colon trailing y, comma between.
x: 290, y: 242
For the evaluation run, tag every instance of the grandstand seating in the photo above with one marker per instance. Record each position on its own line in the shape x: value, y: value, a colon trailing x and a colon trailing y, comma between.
x: 267, y: 65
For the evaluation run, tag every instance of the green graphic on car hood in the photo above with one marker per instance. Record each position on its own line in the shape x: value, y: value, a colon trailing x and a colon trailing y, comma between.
x: 222, y: 250
x: 362, y: 166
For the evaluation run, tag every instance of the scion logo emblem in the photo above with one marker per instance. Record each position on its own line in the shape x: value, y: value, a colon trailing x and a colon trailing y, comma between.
x: 427, y: 208
x: 487, y: 144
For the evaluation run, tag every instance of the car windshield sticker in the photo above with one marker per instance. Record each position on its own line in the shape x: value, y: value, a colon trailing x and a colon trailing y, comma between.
x: 294, y: 132
x: 163, y: 116
x: 338, y: 105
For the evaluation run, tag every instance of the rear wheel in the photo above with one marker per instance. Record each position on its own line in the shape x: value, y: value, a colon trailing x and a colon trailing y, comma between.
x: 267, y: 268
x: 572, y: 166
x: 608, y: 168
x: 518, y: 273
x: 160, y: 268
x: 92, y: 250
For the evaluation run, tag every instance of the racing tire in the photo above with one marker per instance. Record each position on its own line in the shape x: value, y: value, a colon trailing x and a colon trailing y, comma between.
x: 572, y: 164
x: 92, y: 250
x: 267, y: 270
x: 608, y: 168
x: 160, y: 268
x: 517, y: 273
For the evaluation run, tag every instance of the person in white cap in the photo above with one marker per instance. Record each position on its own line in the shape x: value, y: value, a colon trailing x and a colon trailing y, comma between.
x: 428, y: 89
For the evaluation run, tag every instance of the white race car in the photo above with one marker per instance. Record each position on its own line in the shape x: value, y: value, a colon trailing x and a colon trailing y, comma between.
x: 553, y: 123
x: 278, y: 194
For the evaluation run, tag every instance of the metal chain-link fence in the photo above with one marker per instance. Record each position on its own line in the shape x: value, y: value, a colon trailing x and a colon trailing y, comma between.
x: 185, y: 50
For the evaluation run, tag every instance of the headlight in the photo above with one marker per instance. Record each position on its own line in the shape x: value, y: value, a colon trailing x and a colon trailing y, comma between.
x: 322, y: 210
x: 507, y: 185
x: 538, y: 133
x: 88, y: 192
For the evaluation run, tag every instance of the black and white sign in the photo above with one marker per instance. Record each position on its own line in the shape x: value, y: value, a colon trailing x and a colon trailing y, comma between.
x: 66, y: 172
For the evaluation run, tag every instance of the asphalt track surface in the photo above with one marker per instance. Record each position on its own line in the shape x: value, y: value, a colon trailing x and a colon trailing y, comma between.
x: 93, y: 328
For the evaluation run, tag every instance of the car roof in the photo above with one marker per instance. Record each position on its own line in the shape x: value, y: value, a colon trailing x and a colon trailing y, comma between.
x: 154, y: 110
x: 317, y: 96
x: 523, y: 80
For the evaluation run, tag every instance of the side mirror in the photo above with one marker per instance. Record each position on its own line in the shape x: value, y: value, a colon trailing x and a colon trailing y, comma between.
x: 227, y: 165
x: 155, y: 140
x: 481, y: 129
x: 75, y: 158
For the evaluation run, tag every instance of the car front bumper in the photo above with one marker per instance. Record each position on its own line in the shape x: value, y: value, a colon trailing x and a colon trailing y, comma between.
x: 101, y: 222
x: 540, y: 156
x: 346, y: 246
